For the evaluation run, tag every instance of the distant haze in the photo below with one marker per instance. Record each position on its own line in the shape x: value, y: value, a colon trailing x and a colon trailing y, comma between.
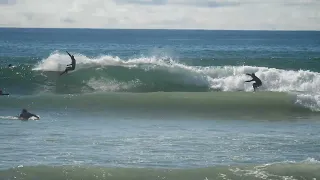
x: 163, y: 14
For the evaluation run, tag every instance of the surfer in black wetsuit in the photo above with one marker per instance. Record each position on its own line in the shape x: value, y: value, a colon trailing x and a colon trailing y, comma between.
x: 25, y: 115
x: 2, y: 94
x: 70, y: 67
x: 257, y: 83
x: 10, y: 66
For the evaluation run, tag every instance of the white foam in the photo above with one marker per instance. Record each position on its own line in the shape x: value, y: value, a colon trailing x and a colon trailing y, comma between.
x: 230, y: 78
x: 58, y: 61
x: 311, y: 161
x: 9, y: 117
x: 110, y: 85
x: 311, y: 101
x: 15, y: 118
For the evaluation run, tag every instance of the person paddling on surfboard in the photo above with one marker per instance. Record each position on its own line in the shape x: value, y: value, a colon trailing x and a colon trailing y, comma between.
x: 70, y: 67
x: 3, y: 94
x: 257, y: 83
x: 25, y: 115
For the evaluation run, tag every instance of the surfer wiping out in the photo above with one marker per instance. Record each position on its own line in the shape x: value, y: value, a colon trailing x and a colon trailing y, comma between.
x: 25, y: 115
x: 70, y: 67
x: 257, y: 83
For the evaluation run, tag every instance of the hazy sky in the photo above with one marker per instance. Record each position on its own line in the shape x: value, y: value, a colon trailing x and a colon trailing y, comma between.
x: 163, y: 14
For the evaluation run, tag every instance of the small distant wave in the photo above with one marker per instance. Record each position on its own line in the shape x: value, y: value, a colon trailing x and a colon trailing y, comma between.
x: 276, y: 171
x: 225, y: 105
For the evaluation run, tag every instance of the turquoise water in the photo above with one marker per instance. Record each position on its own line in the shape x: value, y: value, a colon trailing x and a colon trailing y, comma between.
x: 160, y: 104
x: 70, y: 143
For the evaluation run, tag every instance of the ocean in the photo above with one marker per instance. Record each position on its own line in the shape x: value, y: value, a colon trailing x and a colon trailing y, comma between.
x: 160, y: 104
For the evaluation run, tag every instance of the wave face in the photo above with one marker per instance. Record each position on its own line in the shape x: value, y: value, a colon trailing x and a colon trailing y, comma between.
x: 153, y: 74
x: 277, y: 171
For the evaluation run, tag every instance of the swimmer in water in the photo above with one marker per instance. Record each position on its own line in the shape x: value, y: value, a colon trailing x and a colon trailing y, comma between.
x: 3, y: 94
x: 25, y: 115
x: 257, y: 83
x: 72, y: 66
x: 10, y: 66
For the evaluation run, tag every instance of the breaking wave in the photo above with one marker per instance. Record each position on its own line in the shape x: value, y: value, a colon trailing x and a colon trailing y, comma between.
x: 153, y: 74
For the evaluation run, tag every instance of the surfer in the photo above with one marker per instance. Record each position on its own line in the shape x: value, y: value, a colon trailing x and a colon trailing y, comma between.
x: 70, y: 67
x: 3, y: 94
x: 257, y: 83
x: 25, y: 115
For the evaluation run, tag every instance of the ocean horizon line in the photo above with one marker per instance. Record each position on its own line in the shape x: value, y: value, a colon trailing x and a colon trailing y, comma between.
x: 164, y: 29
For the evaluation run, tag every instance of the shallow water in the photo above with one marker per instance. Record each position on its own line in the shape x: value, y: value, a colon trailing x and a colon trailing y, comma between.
x: 76, y: 138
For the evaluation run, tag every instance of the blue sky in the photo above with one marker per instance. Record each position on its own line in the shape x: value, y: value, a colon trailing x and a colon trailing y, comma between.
x: 163, y: 14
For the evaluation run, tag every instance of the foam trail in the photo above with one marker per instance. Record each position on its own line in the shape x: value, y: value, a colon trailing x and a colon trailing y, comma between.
x: 9, y: 117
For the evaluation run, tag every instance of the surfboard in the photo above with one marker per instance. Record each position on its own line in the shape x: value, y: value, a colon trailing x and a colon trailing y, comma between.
x: 34, y: 118
x: 31, y: 118
x: 69, y: 72
x: 17, y: 118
